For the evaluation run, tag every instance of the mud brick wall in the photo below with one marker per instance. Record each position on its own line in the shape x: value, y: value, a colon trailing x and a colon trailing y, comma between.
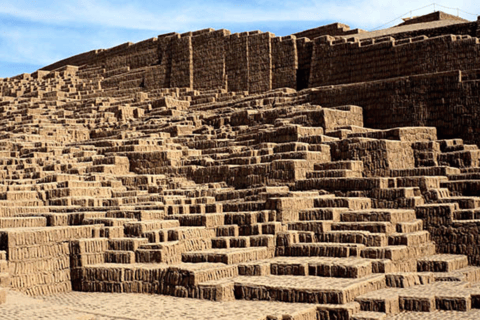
x: 304, y: 58
x: 450, y: 236
x: 285, y: 63
x: 136, y: 55
x: 209, y: 60
x: 260, y: 62
x: 386, y: 58
x: 442, y: 100
x: 378, y: 156
x: 156, y: 77
x: 182, y: 63
x: 39, y: 258
x: 165, y: 55
x: 236, y: 61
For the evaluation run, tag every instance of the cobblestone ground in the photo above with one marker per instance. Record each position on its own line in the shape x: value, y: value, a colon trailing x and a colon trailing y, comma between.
x: 474, y: 314
x: 110, y: 306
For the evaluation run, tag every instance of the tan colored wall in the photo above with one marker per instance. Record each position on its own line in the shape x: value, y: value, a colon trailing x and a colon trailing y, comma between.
x: 39, y: 259
x: 334, y: 62
x: 447, y: 101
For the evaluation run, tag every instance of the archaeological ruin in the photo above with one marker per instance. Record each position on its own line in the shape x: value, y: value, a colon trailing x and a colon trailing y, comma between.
x: 329, y: 174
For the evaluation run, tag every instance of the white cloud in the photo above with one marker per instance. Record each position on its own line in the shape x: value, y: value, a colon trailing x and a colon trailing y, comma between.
x: 166, y: 16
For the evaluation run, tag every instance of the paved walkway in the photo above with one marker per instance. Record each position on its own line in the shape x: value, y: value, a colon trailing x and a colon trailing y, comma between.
x: 114, y: 306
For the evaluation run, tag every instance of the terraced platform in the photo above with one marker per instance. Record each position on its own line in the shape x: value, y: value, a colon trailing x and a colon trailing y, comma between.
x: 141, y: 175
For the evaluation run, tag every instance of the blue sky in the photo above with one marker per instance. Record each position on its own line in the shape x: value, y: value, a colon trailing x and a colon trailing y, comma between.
x: 37, y: 33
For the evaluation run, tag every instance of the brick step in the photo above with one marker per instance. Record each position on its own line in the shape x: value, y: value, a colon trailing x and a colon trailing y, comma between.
x: 79, y: 201
x: 122, y: 277
x: 342, y: 184
x: 321, y: 249
x: 139, y: 213
x: 108, y: 222
x: 397, y: 253
x: 138, y: 228
x: 409, y: 279
x: 261, y: 229
x: 340, y: 165
x: 199, y: 220
x: 469, y: 274
x: 228, y: 256
x: 78, y: 192
x: 409, y: 239
x: 247, y: 218
x: 23, y: 222
x: 353, y: 203
x: 463, y: 202
x: 373, y: 227
x: 186, y: 209
x: 332, y: 214
x: 167, y: 252
x: 78, y: 184
x: 137, y: 199
x: 425, y: 171
x: 244, y: 206
x: 411, y: 226
x: 394, y: 193
x: 344, y: 173
x: 306, y: 289
x: 465, y: 176
x: 467, y: 214
x: 387, y: 215
x: 185, y: 233
x: 442, y: 263
x: 118, y: 256
x: 244, y: 242
x: 316, y: 226
x: 424, y: 298
x: 366, y: 238
x: 321, y: 267
x: 126, y: 244
x: 19, y: 195
x: 21, y: 203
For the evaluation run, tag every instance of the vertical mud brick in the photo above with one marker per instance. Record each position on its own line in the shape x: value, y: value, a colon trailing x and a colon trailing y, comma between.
x: 260, y: 62
x: 209, y: 60
x: 182, y: 62
x: 284, y: 62
x: 236, y: 61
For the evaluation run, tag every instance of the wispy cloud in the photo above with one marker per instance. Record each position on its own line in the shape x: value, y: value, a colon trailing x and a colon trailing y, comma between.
x: 41, y: 32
